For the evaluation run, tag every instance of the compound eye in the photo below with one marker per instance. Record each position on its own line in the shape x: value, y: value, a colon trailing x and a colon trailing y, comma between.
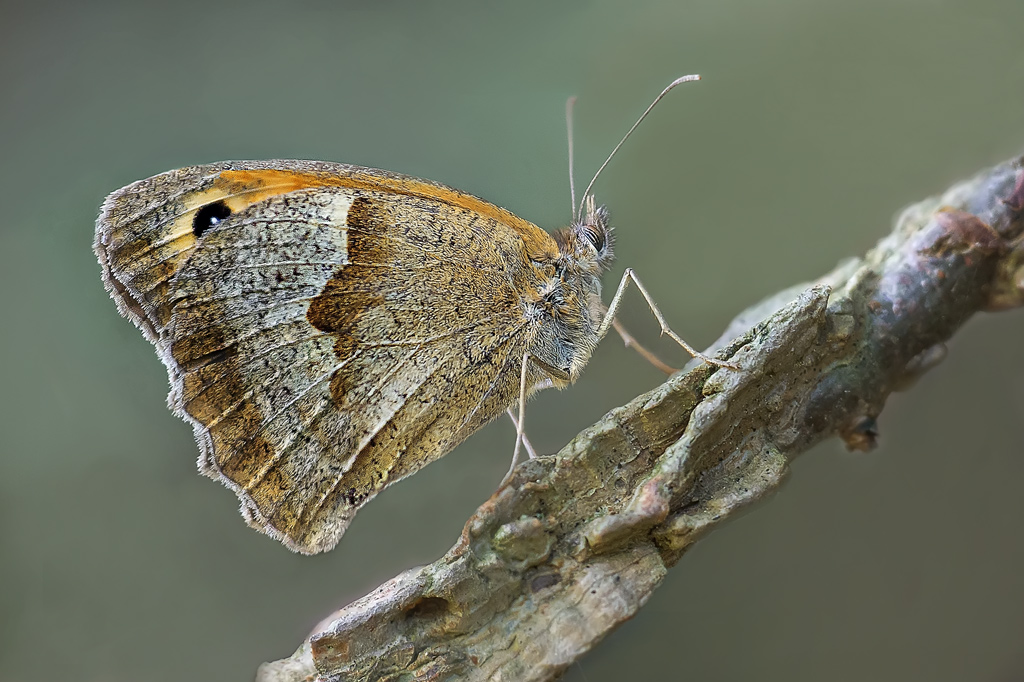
x: 594, y: 236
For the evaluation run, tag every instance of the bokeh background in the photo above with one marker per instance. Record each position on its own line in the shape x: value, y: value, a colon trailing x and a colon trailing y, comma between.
x: 815, y: 123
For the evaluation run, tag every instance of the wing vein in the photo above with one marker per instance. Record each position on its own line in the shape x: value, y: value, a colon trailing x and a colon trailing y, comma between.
x: 504, y: 339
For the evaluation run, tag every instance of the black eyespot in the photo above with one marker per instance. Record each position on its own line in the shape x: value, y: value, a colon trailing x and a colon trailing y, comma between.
x: 208, y: 216
x: 595, y: 236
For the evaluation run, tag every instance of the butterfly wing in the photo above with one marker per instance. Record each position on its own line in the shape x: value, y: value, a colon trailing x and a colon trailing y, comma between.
x: 327, y: 329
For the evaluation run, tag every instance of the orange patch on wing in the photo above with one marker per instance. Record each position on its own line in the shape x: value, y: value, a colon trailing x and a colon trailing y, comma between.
x: 246, y: 187
x: 242, y: 189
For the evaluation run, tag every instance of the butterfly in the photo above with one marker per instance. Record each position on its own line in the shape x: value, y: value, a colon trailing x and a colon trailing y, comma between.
x: 329, y: 329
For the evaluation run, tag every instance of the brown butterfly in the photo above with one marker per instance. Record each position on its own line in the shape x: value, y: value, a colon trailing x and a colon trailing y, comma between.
x: 330, y: 329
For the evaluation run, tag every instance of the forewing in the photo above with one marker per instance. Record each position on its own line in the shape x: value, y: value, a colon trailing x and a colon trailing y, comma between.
x: 331, y: 331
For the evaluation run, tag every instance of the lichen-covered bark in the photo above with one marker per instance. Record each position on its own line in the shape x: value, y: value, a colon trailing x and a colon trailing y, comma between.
x: 575, y: 544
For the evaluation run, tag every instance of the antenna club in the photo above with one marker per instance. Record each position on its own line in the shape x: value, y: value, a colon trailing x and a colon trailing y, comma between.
x: 684, y: 79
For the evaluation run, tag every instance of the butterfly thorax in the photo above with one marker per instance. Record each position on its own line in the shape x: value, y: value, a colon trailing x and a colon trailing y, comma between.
x: 567, y: 304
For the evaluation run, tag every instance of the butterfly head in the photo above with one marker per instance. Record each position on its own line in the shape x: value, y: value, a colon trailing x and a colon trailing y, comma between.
x: 588, y: 242
x: 571, y: 300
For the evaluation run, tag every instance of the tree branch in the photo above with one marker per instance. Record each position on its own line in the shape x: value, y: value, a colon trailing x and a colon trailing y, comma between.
x: 574, y: 544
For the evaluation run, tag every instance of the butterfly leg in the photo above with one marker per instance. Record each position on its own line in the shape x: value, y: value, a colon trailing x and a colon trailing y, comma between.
x: 630, y: 342
x: 530, y: 451
x: 520, y: 436
x: 613, y: 307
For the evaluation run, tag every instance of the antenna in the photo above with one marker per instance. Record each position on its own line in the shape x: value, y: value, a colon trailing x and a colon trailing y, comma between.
x: 569, y: 104
x: 673, y: 84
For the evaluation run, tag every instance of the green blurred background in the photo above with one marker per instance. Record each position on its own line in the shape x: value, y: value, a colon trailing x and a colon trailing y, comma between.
x: 815, y: 123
